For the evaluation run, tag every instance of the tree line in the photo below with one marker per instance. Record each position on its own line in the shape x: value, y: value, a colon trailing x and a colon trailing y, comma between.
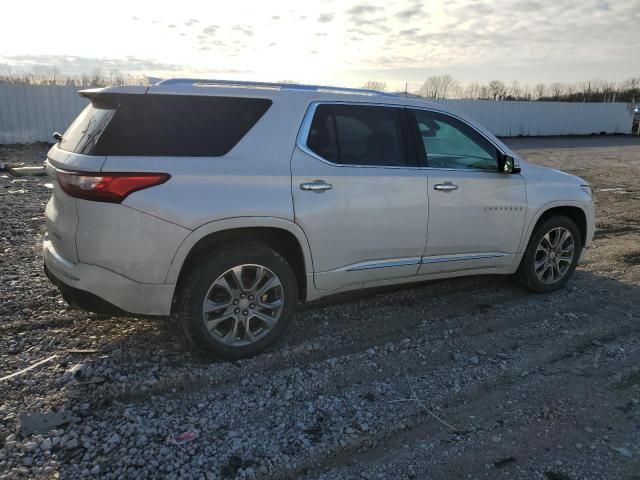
x: 435, y: 87
x: 54, y: 76
x: 445, y: 86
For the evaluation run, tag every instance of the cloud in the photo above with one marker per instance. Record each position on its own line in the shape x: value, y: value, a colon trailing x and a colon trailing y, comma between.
x: 325, y: 17
x: 409, y: 32
x: 76, y: 64
x: 245, y: 29
x: 210, y: 30
x: 359, y: 10
x: 360, y: 16
x: 408, y: 13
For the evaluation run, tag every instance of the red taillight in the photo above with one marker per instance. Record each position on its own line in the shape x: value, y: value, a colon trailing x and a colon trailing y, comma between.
x: 107, y: 187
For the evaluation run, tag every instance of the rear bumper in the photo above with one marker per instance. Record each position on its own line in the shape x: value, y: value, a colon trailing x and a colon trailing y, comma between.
x: 97, y: 289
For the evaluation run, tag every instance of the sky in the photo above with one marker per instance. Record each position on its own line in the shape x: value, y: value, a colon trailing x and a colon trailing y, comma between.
x: 336, y: 42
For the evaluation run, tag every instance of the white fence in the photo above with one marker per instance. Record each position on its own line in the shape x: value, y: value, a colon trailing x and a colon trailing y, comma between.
x: 31, y: 113
x: 512, y: 119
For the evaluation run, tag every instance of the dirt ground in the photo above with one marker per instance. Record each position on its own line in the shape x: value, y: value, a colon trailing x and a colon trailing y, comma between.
x: 524, y: 386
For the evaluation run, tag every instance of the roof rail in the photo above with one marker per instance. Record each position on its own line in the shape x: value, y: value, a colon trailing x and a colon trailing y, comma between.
x: 280, y: 86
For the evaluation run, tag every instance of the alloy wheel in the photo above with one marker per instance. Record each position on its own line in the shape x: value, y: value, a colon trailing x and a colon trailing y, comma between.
x: 243, y: 304
x: 554, y: 255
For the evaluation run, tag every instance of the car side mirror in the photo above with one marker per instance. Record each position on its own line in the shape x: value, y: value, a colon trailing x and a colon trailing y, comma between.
x: 506, y: 164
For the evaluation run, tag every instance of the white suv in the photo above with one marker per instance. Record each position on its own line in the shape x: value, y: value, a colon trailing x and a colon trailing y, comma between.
x: 226, y: 203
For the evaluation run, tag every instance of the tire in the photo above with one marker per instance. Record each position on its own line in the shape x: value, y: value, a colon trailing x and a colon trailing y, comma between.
x: 213, y: 278
x: 534, y: 256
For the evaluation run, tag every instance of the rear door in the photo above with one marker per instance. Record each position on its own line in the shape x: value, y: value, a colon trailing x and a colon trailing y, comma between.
x: 476, y: 214
x: 358, y: 194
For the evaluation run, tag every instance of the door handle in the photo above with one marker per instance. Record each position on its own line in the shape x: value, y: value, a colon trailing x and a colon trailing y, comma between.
x: 445, y: 187
x: 317, y: 186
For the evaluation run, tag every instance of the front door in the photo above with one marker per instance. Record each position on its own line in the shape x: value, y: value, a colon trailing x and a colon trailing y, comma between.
x: 476, y: 214
x: 359, y: 195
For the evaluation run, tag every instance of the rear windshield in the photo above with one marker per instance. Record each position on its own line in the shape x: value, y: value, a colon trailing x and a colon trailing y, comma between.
x: 162, y: 125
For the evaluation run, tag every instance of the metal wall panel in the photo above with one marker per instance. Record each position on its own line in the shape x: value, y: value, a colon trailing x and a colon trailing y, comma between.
x: 511, y: 119
x: 31, y: 113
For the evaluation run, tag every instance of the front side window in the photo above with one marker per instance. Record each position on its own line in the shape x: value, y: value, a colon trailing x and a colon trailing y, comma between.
x: 358, y: 135
x: 450, y: 143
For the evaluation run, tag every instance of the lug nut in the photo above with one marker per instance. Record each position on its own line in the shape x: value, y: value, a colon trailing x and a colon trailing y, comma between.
x: 250, y: 297
x: 235, y: 302
x: 242, y: 295
x: 245, y: 312
x: 237, y: 310
x: 253, y: 305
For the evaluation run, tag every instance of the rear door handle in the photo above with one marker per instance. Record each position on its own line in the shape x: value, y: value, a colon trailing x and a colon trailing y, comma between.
x: 317, y: 186
x: 445, y: 187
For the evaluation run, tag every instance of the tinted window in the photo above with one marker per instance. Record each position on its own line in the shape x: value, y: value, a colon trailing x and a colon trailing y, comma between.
x: 83, y: 134
x: 450, y: 143
x: 156, y: 125
x: 358, y: 135
x: 322, y: 134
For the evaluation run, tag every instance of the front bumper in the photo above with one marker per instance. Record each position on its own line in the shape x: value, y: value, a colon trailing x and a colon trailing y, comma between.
x: 95, y: 288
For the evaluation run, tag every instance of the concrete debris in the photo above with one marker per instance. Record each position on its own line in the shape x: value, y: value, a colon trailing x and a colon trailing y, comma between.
x: 27, y: 171
x: 42, y: 422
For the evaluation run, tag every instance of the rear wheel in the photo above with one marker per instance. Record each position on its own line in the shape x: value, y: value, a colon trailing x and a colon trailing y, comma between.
x: 551, y: 256
x: 237, y: 302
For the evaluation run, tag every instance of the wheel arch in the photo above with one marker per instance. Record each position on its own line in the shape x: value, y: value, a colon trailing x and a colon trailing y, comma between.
x: 283, y: 236
x: 574, y: 211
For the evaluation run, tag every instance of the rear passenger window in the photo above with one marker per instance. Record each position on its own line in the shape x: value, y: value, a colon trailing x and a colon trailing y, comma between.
x: 322, y: 134
x: 358, y: 135
x: 163, y: 125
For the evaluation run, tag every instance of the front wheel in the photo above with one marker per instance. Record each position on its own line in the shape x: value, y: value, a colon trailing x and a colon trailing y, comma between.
x: 237, y: 302
x: 551, y: 256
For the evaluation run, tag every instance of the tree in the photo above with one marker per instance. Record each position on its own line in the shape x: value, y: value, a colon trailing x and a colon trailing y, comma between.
x: 473, y: 91
x: 514, y: 92
x: 539, y: 91
x: 375, y: 85
x: 497, y: 89
x: 441, y: 86
x: 556, y: 89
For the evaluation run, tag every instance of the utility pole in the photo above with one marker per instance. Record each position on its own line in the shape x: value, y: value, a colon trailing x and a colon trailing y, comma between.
x: 406, y: 86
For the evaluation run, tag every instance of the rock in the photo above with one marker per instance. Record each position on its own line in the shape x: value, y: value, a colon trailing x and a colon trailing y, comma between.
x: 95, y: 470
x: 29, y: 447
x: 79, y: 371
x: 42, y: 422
x: 46, y: 445
x: 27, y: 171
x: 474, y: 360
x: 624, y: 452
x: 71, y: 444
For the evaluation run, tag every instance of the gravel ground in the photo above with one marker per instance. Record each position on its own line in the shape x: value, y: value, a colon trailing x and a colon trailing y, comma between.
x: 470, y: 378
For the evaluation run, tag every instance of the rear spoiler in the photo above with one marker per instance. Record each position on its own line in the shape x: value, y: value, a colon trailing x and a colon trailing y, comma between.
x: 123, y: 89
